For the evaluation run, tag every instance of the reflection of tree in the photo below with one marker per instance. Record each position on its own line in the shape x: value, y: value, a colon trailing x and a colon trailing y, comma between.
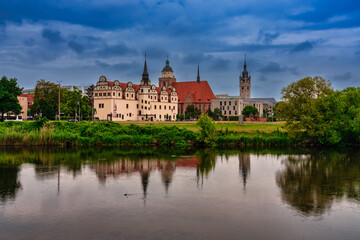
x: 310, y: 183
x: 207, y: 161
x: 244, y: 166
x: 9, y: 183
x: 167, y: 172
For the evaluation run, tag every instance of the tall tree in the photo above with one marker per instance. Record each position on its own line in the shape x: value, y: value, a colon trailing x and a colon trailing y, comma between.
x: 9, y: 91
x: 249, y: 110
x: 46, y: 99
x: 72, y: 100
x: 192, y: 112
x: 298, y: 105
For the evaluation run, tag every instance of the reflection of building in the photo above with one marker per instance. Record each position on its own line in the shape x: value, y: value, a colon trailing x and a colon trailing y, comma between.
x: 244, y: 166
x: 233, y: 105
x: 127, y: 101
x: 144, y: 167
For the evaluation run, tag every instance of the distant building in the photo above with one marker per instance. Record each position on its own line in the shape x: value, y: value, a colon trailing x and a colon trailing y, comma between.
x: 197, y: 93
x: 127, y: 101
x: 233, y: 105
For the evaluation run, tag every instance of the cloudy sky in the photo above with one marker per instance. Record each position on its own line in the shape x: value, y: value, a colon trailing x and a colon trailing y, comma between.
x: 76, y: 41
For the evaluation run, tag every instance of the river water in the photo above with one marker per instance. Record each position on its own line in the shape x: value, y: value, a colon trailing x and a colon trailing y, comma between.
x: 175, y: 194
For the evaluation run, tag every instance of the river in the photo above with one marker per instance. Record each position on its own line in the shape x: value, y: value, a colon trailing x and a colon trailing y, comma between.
x: 112, y: 193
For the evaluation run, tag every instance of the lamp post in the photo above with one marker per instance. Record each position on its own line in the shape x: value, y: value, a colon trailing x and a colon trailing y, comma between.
x: 59, y: 82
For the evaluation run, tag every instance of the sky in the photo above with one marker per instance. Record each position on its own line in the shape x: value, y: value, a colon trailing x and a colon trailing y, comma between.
x: 77, y: 41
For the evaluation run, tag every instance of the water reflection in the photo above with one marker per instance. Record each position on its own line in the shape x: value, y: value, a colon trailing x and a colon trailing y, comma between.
x: 244, y: 166
x: 9, y: 182
x: 311, y: 183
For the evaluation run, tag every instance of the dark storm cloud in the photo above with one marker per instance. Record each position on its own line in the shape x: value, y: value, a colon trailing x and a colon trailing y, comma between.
x: 302, y: 47
x: 115, y: 50
x: 89, y: 37
x: 53, y: 36
x: 76, y: 46
x: 273, y: 67
x: 347, y: 76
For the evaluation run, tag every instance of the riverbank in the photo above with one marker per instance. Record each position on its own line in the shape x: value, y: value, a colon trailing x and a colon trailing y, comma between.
x: 118, y: 134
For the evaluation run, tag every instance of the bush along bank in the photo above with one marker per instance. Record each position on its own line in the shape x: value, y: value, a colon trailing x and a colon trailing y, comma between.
x: 43, y: 133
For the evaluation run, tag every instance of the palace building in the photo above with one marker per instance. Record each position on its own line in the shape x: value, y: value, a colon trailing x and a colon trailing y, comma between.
x: 233, y: 105
x: 197, y: 93
x: 118, y: 101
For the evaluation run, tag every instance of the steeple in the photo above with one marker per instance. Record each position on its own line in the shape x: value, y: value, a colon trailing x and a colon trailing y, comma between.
x: 167, y: 67
x: 245, y: 72
x: 198, y: 75
x: 145, y: 75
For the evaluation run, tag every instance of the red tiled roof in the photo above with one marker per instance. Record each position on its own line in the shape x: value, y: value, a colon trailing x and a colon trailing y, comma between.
x: 195, y: 90
x: 30, y: 97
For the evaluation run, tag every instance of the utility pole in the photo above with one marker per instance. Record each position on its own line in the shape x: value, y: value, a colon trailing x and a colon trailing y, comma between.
x: 59, y: 82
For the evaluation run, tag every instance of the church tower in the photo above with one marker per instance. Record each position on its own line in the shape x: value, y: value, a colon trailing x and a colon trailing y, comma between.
x: 145, y: 81
x: 245, y: 83
x: 167, y: 76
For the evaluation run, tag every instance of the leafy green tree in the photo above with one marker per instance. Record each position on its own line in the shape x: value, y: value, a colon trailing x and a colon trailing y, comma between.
x: 207, y: 130
x: 249, y: 110
x: 192, y: 112
x: 217, y: 114
x: 298, y: 107
x: 46, y: 99
x: 72, y: 99
x: 9, y: 90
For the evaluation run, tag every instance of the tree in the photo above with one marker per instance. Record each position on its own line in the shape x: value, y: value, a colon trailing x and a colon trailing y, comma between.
x: 9, y: 90
x: 46, y: 99
x: 298, y: 105
x: 72, y: 99
x: 192, y: 112
x: 249, y: 110
x: 217, y: 114
x: 207, y: 130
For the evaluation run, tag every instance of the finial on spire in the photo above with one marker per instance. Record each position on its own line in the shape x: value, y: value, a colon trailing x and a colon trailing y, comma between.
x: 198, y: 74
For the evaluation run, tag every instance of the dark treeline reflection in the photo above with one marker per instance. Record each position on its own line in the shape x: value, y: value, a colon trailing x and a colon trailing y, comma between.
x: 312, y: 182
x: 9, y: 183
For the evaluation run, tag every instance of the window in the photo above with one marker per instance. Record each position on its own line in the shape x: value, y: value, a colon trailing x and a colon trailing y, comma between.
x: 100, y: 94
x: 220, y: 103
x: 224, y: 112
x: 119, y: 94
x: 145, y: 108
x: 247, y: 88
x: 129, y: 114
x: 165, y: 107
x: 145, y: 102
x: 234, y: 108
x: 142, y: 101
x: 160, y: 107
x: 96, y: 94
x: 154, y: 106
x: 132, y: 95
x: 235, y: 112
x: 160, y: 116
x: 230, y: 103
x: 109, y: 94
x: 228, y: 108
x: 142, y: 90
x: 225, y: 103
x: 101, y: 105
x: 229, y: 112
x: 139, y: 112
x: 235, y: 102
x: 127, y: 95
x: 137, y: 105
x: 114, y: 94
x: 127, y: 105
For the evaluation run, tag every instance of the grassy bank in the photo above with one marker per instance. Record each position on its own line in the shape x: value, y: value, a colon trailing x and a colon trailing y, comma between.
x: 111, y: 133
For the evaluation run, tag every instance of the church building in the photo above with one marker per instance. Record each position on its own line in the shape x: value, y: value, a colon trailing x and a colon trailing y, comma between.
x: 233, y: 105
x: 197, y: 93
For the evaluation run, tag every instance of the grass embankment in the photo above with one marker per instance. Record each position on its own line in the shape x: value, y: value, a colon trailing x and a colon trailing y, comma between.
x: 110, y: 133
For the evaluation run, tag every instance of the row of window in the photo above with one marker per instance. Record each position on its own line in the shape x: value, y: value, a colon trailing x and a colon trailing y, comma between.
x: 109, y: 94
x: 229, y: 113
x: 101, y: 105
x: 228, y: 108
x: 225, y: 103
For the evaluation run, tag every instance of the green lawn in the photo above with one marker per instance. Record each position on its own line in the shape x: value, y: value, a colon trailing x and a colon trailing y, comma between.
x: 231, y: 125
